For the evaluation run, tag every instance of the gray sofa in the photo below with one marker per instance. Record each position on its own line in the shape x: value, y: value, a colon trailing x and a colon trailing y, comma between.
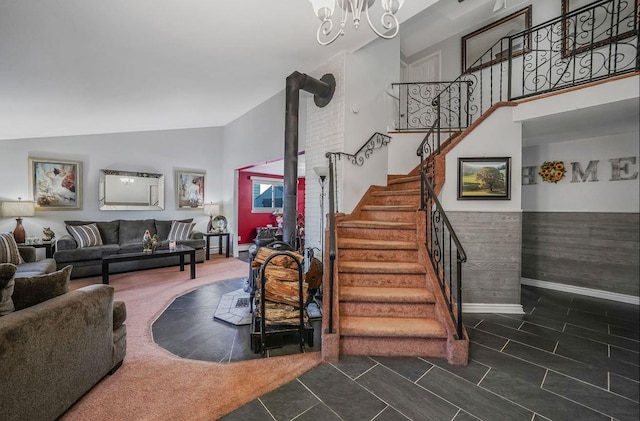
x: 32, y: 266
x: 121, y: 236
x: 53, y: 352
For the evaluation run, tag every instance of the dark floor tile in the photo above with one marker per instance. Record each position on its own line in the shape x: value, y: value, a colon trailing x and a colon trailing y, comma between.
x: 410, y: 367
x: 390, y: 414
x: 354, y: 365
x: 524, y: 337
x: 624, y: 355
x: 289, y: 401
x: 623, y: 311
x: 471, y: 319
x: 592, y: 397
x: 346, y: 398
x: 624, y: 332
x: 241, y: 348
x: 623, y: 386
x: 538, y: 400
x: 471, y: 398
x: 318, y: 412
x: 600, y: 361
x: 567, y: 340
x: 253, y: 411
x: 506, y: 363
x: 464, y: 416
x: 473, y: 372
x: 486, y: 339
x: 576, y: 319
x: 511, y: 322
x: 405, y: 396
x: 558, y: 363
x: 603, y: 337
x: 538, y: 320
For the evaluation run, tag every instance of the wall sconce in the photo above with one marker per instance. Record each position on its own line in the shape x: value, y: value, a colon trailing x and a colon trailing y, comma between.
x: 211, y: 209
x: 18, y: 209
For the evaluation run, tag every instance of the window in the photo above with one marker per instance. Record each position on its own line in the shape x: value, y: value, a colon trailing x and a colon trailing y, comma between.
x: 266, y: 194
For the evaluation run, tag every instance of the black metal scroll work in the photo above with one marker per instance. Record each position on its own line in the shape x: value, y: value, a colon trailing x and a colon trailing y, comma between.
x: 419, y: 109
x: 427, y: 151
x: 376, y: 141
x: 592, y: 43
x: 443, y: 246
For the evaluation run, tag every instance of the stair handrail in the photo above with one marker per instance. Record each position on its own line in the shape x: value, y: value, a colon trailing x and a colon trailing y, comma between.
x: 556, y: 54
x: 436, y: 221
x: 376, y: 141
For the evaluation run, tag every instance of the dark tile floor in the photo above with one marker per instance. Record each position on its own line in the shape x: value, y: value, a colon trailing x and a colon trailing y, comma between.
x: 569, y: 357
x: 187, y: 329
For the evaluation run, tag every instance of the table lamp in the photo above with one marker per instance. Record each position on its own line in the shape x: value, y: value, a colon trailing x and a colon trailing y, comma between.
x: 211, y: 209
x: 18, y: 209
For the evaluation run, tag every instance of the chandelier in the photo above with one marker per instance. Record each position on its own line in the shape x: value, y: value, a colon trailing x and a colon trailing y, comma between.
x: 324, y: 10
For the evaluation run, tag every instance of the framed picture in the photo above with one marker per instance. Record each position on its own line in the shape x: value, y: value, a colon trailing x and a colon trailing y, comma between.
x: 55, y: 184
x: 594, y: 27
x: 476, y: 45
x: 484, y: 178
x: 189, y: 190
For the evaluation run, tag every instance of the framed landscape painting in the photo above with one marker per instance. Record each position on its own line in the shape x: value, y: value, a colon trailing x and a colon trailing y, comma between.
x: 55, y: 184
x: 190, y: 190
x: 484, y: 178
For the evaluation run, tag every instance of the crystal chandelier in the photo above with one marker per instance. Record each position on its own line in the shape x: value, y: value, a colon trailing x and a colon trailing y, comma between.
x: 324, y: 10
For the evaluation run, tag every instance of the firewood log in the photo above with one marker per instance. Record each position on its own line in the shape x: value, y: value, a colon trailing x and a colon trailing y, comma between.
x: 279, y: 273
x: 285, y: 292
x: 284, y: 261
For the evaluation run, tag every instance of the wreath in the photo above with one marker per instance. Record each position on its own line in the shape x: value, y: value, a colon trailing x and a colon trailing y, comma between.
x: 552, y: 171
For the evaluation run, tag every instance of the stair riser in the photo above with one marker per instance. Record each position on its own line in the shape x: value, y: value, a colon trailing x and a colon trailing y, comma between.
x: 405, y: 185
x: 393, y: 347
x: 393, y: 216
x: 401, y: 199
x: 377, y: 234
x: 360, y: 255
x: 360, y: 309
x: 382, y: 280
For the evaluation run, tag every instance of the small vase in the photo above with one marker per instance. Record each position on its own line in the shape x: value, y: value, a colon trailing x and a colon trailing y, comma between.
x: 147, y: 250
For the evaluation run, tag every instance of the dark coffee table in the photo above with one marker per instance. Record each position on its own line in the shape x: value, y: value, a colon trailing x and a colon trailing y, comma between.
x: 158, y: 254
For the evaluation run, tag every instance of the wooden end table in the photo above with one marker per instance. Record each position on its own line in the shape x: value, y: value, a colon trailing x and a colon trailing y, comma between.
x: 219, y: 235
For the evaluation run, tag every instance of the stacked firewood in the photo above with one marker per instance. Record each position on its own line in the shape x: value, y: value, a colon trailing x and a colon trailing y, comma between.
x: 281, y: 291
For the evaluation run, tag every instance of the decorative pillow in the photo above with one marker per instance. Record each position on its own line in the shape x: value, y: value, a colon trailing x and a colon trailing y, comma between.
x: 36, y: 289
x: 85, y: 235
x: 180, y: 230
x: 7, y: 272
x: 163, y: 227
x: 9, y: 252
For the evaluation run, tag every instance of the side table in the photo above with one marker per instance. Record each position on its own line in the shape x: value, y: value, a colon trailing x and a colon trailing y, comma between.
x: 219, y: 235
x: 50, y: 247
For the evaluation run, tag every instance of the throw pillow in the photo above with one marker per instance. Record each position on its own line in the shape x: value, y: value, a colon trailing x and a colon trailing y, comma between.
x: 9, y: 252
x: 36, y: 289
x: 85, y: 235
x: 180, y: 230
x: 7, y: 272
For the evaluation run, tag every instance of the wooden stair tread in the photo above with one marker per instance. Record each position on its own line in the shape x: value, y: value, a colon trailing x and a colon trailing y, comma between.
x: 404, y: 179
x: 396, y: 192
x: 390, y: 208
x: 415, y: 327
x: 361, y: 223
x: 358, y: 243
x: 386, y: 294
x: 381, y: 267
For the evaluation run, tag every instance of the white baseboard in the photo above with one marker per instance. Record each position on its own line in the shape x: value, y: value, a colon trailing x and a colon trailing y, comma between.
x: 244, y: 247
x: 589, y: 292
x: 492, y: 308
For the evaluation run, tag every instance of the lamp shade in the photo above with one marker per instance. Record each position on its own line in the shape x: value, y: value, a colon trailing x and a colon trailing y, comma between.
x: 18, y: 208
x: 211, y: 209
x: 321, y: 171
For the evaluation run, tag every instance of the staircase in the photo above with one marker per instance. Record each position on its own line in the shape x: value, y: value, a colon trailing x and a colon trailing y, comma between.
x: 386, y: 304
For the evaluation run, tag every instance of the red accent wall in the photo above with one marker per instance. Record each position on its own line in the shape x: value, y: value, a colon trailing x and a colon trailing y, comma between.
x: 248, y: 221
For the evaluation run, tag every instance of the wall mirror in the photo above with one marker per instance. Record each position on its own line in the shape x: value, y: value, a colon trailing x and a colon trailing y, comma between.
x: 128, y: 190
x: 476, y: 45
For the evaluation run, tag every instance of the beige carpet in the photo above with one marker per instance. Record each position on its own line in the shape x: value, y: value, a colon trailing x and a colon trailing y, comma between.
x: 153, y: 384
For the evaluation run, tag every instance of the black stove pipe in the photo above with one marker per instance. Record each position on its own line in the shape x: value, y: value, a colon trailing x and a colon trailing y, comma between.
x: 323, y: 92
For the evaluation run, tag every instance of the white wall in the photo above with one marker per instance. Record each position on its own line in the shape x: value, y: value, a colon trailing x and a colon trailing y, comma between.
x: 603, y: 195
x: 497, y: 136
x: 157, y: 151
x: 369, y: 72
x: 402, y: 152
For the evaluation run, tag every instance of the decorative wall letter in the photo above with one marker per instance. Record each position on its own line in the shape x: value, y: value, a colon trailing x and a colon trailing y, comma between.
x: 529, y: 175
x: 578, y: 175
x: 621, y: 165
